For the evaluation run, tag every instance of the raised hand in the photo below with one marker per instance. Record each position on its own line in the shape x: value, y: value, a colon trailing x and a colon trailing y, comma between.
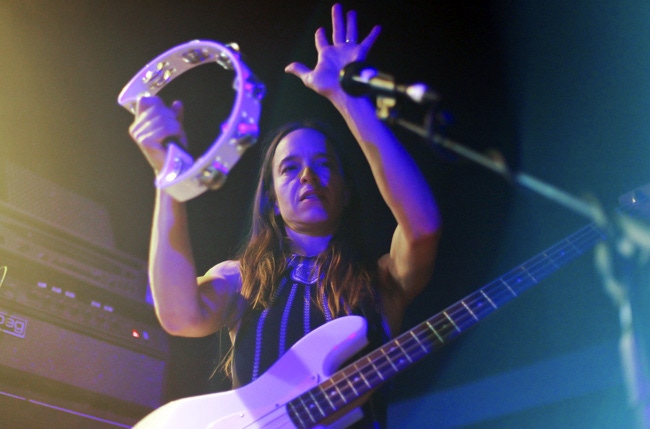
x: 332, y: 57
x: 154, y: 125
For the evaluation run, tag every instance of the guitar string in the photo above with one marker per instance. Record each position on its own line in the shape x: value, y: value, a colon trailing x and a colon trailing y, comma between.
x: 279, y: 422
x: 411, y: 345
x: 537, y: 270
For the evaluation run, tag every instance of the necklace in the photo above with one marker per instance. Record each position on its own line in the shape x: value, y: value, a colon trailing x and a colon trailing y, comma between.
x: 305, y: 270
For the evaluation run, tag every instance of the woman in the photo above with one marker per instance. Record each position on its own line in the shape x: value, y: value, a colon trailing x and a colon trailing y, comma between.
x: 300, y: 268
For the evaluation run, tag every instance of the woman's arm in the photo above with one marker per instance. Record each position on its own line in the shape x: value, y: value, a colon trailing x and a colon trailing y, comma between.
x: 410, y: 261
x: 184, y: 306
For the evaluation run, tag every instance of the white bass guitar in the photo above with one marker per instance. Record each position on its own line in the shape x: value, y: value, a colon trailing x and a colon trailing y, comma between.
x: 303, y: 388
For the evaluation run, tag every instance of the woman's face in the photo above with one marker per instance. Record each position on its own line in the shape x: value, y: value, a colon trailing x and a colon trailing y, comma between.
x: 308, y: 183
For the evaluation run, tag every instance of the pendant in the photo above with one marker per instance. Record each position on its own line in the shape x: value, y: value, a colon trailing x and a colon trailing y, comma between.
x: 305, y: 271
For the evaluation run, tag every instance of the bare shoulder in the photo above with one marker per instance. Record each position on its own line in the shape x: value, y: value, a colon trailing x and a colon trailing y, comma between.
x: 220, y: 290
x: 226, y: 273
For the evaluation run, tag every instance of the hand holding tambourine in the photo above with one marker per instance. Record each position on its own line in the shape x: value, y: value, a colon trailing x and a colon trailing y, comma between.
x: 155, y: 127
x: 158, y: 128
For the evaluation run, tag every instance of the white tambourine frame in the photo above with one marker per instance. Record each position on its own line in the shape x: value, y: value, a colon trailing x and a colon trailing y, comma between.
x: 182, y: 177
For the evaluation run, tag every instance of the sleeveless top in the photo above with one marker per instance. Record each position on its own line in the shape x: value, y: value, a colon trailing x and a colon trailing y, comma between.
x: 266, y: 334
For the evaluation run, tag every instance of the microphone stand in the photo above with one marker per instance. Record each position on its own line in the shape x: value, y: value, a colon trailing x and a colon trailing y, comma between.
x: 624, y: 275
x: 495, y: 163
x: 624, y: 269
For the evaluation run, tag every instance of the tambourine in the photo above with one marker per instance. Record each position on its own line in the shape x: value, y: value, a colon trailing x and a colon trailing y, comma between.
x: 182, y: 177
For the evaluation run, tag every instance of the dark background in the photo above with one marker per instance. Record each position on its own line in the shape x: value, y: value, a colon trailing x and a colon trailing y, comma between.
x: 560, y: 90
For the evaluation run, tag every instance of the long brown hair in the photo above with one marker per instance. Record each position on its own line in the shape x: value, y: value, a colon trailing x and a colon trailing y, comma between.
x: 347, y: 275
x: 346, y: 271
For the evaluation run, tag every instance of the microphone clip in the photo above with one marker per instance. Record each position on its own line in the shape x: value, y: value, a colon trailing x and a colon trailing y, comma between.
x: 359, y: 78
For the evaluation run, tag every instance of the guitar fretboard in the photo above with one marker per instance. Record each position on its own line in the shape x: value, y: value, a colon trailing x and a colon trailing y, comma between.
x: 369, y: 372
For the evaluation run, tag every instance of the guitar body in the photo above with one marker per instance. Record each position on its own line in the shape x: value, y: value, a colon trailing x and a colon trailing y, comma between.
x: 261, y: 404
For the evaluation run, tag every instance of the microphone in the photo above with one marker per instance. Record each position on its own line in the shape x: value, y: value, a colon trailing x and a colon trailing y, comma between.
x: 359, y: 78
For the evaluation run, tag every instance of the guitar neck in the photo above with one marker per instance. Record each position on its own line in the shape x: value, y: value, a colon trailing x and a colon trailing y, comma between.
x: 369, y: 372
